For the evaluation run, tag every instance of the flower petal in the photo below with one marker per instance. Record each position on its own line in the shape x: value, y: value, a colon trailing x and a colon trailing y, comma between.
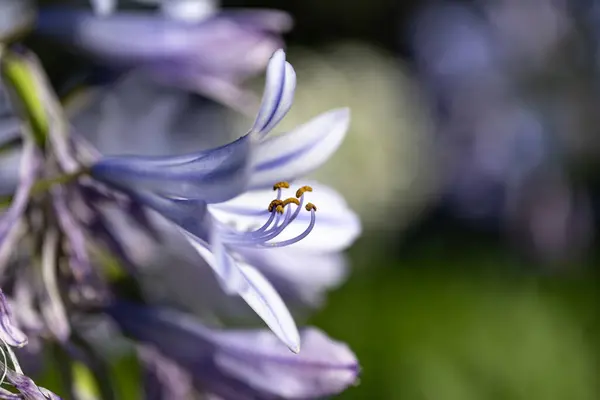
x: 52, y: 306
x: 243, y: 364
x: 268, y: 20
x: 30, y: 164
x: 298, y: 275
x: 212, y: 176
x: 78, y: 255
x: 9, y: 333
x: 218, y: 45
x: 278, y: 94
x: 324, y: 367
x: 189, y: 215
x: 28, y: 388
x: 244, y: 280
x: 336, y: 227
x: 294, y: 154
x: 163, y: 379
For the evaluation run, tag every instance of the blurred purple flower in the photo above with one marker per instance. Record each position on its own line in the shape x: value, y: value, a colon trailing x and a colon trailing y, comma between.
x: 241, y: 364
x: 212, y: 55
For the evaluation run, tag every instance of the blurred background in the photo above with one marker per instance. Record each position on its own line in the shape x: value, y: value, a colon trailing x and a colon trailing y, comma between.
x: 474, y: 162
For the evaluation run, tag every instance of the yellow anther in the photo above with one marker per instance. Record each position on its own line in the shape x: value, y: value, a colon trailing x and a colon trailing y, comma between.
x: 279, y: 209
x: 290, y: 200
x: 302, y: 190
x: 275, y: 203
x: 310, y: 207
x: 281, y: 185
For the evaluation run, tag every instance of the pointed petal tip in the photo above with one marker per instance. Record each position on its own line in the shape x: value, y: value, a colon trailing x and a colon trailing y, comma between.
x: 343, y: 113
x: 278, y: 55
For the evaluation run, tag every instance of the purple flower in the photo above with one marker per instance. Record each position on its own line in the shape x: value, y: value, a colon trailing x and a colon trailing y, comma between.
x: 180, y: 187
x: 211, y: 55
x: 58, y: 237
x: 245, y: 364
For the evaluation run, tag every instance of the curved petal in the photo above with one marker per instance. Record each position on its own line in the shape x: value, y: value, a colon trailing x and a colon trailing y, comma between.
x: 30, y: 164
x: 245, y: 364
x: 212, y: 176
x: 27, y: 387
x: 121, y: 37
x: 217, y: 45
x: 337, y: 226
x: 324, y: 367
x: 278, y: 94
x: 264, y: 19
x: 291, y: 155
x: 298, y: 275
x: 244, y: 280
x: 9, y: 333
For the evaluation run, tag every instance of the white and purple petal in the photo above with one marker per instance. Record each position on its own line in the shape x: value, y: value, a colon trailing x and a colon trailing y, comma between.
x: 278, y: 94
x: 243, y: 364
x: 301, y: 277
x: 237, y: 277
x: 294, y: 154
x: 324, y: 368
x: 212, y: 176
x: 216, y: 45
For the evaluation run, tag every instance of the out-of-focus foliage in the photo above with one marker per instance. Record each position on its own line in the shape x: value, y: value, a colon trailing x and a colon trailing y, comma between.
x: 434, y: 327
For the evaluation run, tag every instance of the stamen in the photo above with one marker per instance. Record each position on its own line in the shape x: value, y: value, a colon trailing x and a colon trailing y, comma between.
x: 290, y: 200
x: 301, y: 236
x: 281, y: 185
x: 274, y: 204
x: 303, y: 190
x: 278, y: 221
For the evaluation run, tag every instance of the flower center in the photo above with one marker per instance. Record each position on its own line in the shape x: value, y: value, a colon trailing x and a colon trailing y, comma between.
x: 282, y: 213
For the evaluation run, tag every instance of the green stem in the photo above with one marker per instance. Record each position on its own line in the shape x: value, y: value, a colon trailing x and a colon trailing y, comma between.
x: 98, y: 367
x: 45, y: 185
x: 17, y: 73
x: 64, y: 366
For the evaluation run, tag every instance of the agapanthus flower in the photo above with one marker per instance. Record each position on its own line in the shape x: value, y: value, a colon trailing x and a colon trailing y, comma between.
x: 193, y: 192
x: 212, y: 53
x: 65, y: 265
x: 57, y: 216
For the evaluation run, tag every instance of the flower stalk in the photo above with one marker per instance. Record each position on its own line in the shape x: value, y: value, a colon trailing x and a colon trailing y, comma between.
x: 21, y: 83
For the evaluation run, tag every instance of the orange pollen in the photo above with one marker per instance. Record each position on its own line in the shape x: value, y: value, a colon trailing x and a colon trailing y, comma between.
x: 290, y: 201
x: 281, y: 185
x: 302, y: 190
x: 275, y: 203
